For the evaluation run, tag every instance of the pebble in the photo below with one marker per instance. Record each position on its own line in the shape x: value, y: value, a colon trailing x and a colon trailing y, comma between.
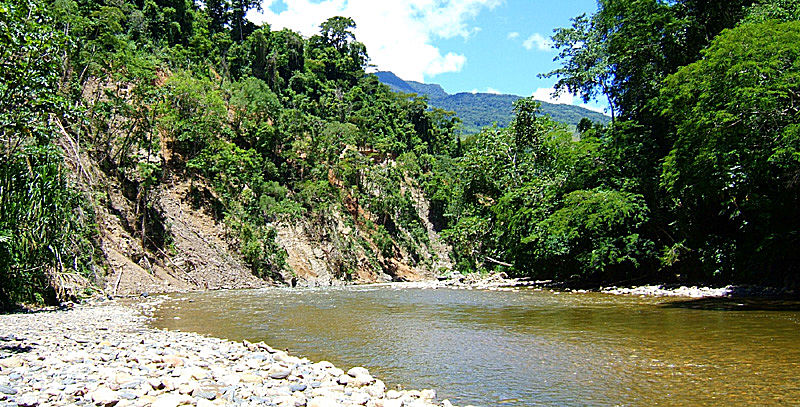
x: 355, y: 371
x: 105, y: 355
x: 105, y: 396
x: 27, y: 400
x: 11, y: 362
x: 362, y: 380
x: 251, y: 378
x: 279, y: 372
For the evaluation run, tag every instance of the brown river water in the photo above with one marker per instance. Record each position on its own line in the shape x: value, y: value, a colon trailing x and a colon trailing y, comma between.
x: 525, y: 347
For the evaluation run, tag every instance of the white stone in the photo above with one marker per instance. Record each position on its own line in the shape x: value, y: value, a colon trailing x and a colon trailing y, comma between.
x: 171, y: 400
x: 393, y: 403
x: 362, y: 380
x: 104, y: 396
x: 393, y: 394
x: 358, y: 370
x: 322, y: 402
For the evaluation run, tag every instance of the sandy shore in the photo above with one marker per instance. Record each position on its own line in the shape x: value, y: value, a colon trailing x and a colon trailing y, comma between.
x: 106, y: 355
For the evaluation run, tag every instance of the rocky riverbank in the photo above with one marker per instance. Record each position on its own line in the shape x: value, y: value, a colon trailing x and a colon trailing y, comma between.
x: 105, y: 355
x: 501, y: 282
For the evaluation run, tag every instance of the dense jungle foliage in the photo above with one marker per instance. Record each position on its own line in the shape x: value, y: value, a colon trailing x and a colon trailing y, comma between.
x: 695, y: 179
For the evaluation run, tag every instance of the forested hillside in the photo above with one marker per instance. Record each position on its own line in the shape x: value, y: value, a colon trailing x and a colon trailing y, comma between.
x: 154, y: 145
x: 695, y: 180
x: 162, y: 145
x: 479, y: 110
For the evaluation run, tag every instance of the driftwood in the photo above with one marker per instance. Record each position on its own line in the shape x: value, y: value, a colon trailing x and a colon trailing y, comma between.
x: 495, y: 261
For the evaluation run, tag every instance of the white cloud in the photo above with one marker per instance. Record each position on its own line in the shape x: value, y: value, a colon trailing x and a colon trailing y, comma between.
x: 399, y: 34
x: 513, y: 35
x: 493, y: 91
x: 546, y: 95
x: 565, y: 98
x: 539, y: 42
x: 598, y: 109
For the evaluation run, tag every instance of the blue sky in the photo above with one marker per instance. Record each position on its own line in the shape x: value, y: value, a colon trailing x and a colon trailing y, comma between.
x: 464, y: 45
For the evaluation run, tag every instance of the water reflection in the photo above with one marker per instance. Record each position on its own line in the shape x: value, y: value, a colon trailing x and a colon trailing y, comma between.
x: 520, y: 348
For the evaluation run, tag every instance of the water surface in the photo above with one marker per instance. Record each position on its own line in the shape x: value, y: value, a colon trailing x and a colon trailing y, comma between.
x: 525, y: 347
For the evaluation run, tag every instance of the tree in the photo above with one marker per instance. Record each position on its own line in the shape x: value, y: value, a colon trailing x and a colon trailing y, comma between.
x: 337, y: 32
x: 783, y: 10
x: 219, y: 12
x: 336, y: 48
x: 732, y: 172
x: 45, y: 244
x: 242, y: 27
x: 586, y: 69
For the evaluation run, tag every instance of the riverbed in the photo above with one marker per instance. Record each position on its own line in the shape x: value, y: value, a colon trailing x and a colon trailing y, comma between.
x: 522, y: 347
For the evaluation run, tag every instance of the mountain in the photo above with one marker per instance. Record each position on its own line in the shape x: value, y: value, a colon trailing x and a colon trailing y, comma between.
x: 478, y: 110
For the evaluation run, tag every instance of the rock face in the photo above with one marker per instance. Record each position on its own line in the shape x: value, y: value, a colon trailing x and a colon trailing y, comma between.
x: 106, y: 356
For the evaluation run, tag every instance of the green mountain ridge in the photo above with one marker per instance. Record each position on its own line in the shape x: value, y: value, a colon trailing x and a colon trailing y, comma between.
x: 478, y: 110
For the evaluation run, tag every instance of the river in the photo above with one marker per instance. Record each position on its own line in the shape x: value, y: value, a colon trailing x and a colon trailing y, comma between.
x: 524, y: 347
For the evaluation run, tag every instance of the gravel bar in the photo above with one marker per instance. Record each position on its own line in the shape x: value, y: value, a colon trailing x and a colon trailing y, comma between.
x: 106, y: 355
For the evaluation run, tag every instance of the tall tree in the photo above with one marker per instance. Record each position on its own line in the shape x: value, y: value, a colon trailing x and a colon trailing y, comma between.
x: 242, y: 27
x: 733, y: 171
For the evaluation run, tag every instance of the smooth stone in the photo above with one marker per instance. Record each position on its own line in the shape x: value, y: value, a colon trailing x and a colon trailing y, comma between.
x: 171, y: 400
x: 279, y: 372
x: 377, y: 389
x: 358, y: 370
x: 206, y: 395
x: 298, y: 387
x: 251, y: 378
x: 27, y: 400
x: 131, y: 384
x: 322, y: 402
x: 187, y: 388
x: 393, y: 403
x: 11, y: 362
x: 230, y: 380
x: 173, y: 360
x: 8, y: 390
x: 360, y: 398
x: 105, y: 396
x: 362, y: 380
x: 393, y: 394
x: 127, y: 396
x: 428, y: 394
x: 282, y: 391
x: 197, y: 373
x: 205, y: 403
x: 121, y: 378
